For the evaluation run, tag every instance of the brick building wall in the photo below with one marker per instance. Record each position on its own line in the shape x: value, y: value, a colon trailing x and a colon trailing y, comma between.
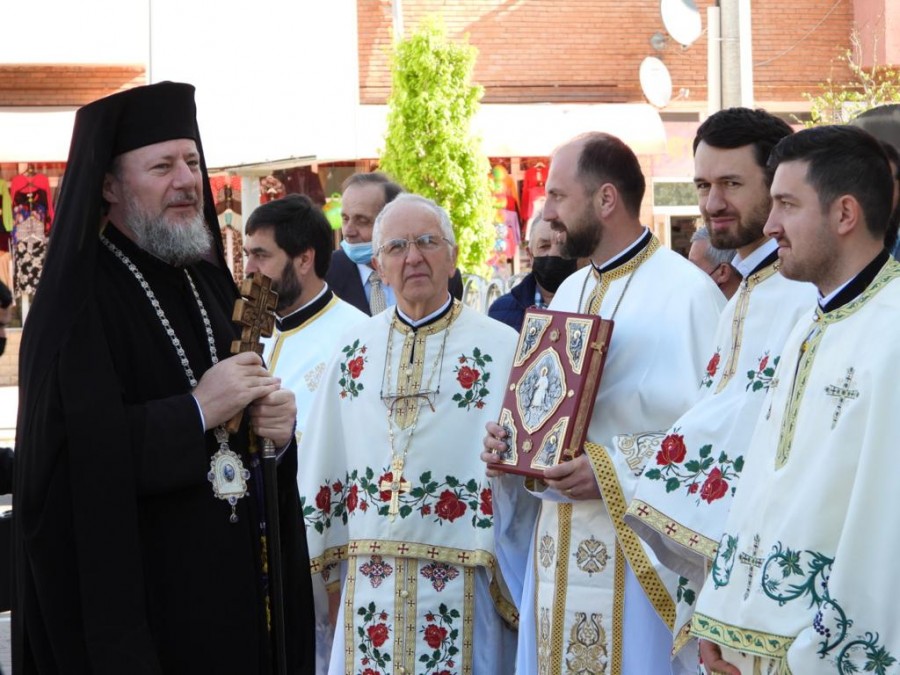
x: 590, y: 50
x: 64, y: 84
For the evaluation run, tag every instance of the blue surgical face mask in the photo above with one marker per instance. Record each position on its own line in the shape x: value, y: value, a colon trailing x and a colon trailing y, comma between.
x: 361, y: 254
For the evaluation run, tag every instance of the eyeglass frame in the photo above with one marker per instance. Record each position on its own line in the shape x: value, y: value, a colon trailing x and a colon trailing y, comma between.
x: 409, y: 242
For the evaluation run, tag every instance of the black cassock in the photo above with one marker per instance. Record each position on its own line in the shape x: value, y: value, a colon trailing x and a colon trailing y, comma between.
x: 125, y: 561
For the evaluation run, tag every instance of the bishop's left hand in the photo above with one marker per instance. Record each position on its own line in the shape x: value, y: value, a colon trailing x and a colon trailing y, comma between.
x: 575, y: 479
x: 273, y: 416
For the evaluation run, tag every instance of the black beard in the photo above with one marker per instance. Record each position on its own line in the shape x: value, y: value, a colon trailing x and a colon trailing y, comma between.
x: 287, y: 286
x: 583, y: 236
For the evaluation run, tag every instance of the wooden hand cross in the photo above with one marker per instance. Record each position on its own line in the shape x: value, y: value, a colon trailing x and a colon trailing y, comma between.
x: 254, y: 312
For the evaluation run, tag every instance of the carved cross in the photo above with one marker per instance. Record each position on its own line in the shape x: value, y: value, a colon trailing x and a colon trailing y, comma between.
x: 752, y: 562
x: 254, y: 312
x: 842, y: 393
x: 396, y: 485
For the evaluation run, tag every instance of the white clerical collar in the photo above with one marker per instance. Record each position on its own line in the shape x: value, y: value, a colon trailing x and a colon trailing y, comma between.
x: 747, y: 265
x: 825, y: 299
x: 625, y: 252
x: 415, y: 323
x: 300, y: 309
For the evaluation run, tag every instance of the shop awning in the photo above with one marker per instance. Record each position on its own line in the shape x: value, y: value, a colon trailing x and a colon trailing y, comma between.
x: 35, y: 134
x: 535, y: 130
x: 506, y: 130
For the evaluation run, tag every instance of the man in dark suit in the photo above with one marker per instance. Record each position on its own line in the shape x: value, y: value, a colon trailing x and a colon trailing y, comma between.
x: 350, y: 274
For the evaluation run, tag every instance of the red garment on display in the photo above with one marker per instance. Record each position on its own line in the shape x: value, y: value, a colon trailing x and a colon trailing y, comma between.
x: 533, y: 188
x: 31, y: 199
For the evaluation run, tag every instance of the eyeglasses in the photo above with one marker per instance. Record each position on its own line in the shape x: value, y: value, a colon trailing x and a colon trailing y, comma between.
x: 400, y: 247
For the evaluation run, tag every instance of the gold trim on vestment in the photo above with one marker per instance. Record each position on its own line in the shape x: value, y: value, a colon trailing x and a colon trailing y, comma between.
x: 618, y: 614
x: 468, y: 631
x: 430, y: 552
x: 349, y: 614
x: 403, y: 549
x: 682, y: 637
x: 745, y: 640
x: 740, y: 314
x: 406, y: 598
x: 643, y: 569
x: 595, y: 299
x: 560, y: 587
x: 672, y: 529
x: 279, y: 340
x: 411, y: 366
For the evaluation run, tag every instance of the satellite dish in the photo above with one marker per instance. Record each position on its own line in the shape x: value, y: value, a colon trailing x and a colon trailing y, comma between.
x: 682, y: 20
x: 656, y: 82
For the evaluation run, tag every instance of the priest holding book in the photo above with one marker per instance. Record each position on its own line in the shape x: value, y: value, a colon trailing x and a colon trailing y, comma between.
x: 591, y: 596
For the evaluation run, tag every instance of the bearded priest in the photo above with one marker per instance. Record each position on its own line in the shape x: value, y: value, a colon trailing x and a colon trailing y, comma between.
x: 398, y: 513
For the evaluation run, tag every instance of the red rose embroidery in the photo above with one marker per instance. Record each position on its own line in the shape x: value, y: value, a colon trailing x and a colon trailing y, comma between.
x: 369, y: 671
x: 467, y: 377
x: 763, y: 362
x: 714, y: 487
x: 363, y: 506
x: 479, y: 405
x: 673, y: 450
x: 323, y: 499
x: 429, y: 617
x: 713, y: 364
x: 449, y: 506
x: 337, y: 487
x: 435, y: 635
x: 487, y: 502
x: 386, y: 478
x: 693, y: 488
x: 355, y: 367
x: 352, y: 499
x: 378, y: 634
x: 426, y: 510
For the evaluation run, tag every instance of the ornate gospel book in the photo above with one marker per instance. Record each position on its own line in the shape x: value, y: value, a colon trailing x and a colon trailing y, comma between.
x: 551, y: 390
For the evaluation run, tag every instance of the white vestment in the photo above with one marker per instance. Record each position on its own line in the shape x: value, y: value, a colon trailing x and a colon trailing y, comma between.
x: 805, y: 572
x: 298, y: 352
x: 590, y: 594
x: 420, y: 587
x: 684, y: 494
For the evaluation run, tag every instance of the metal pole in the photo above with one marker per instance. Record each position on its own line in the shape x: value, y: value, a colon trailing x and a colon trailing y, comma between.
x: 713, y: 60
x: 731, y: 54
x: 397, y: 17
x: 746, y: 53
x: 273, y: 555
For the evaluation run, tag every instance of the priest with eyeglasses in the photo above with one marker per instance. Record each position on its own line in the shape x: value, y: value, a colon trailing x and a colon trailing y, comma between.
x: 398, y: 512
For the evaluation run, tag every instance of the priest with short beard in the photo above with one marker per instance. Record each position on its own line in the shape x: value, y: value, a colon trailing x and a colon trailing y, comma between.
x: 139, y: 535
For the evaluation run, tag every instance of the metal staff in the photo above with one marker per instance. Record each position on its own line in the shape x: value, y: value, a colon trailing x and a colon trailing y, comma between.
x: 254, y: 312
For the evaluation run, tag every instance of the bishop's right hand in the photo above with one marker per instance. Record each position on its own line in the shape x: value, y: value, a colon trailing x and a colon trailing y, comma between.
x: 231, y: 385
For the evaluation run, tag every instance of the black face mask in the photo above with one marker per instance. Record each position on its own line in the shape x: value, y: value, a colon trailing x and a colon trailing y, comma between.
x: 551, y: 270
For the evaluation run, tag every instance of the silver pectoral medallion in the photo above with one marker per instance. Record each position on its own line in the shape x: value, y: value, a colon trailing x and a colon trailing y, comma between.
x: 227, y: 474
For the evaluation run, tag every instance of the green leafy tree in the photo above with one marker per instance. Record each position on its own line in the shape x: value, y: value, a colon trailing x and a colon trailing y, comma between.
x: 840, y: 102
x: 428, y: 146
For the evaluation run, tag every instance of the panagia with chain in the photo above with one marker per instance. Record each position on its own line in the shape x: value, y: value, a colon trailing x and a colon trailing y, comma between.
x: 399, y: 514
x: 127, y: 561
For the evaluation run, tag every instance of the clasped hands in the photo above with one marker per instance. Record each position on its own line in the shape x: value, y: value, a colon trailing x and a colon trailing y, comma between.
x: 575, y: 479
x: 240, y: 381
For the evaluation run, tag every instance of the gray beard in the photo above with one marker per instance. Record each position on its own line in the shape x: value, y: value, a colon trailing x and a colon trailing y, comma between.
x: 175, y: 243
